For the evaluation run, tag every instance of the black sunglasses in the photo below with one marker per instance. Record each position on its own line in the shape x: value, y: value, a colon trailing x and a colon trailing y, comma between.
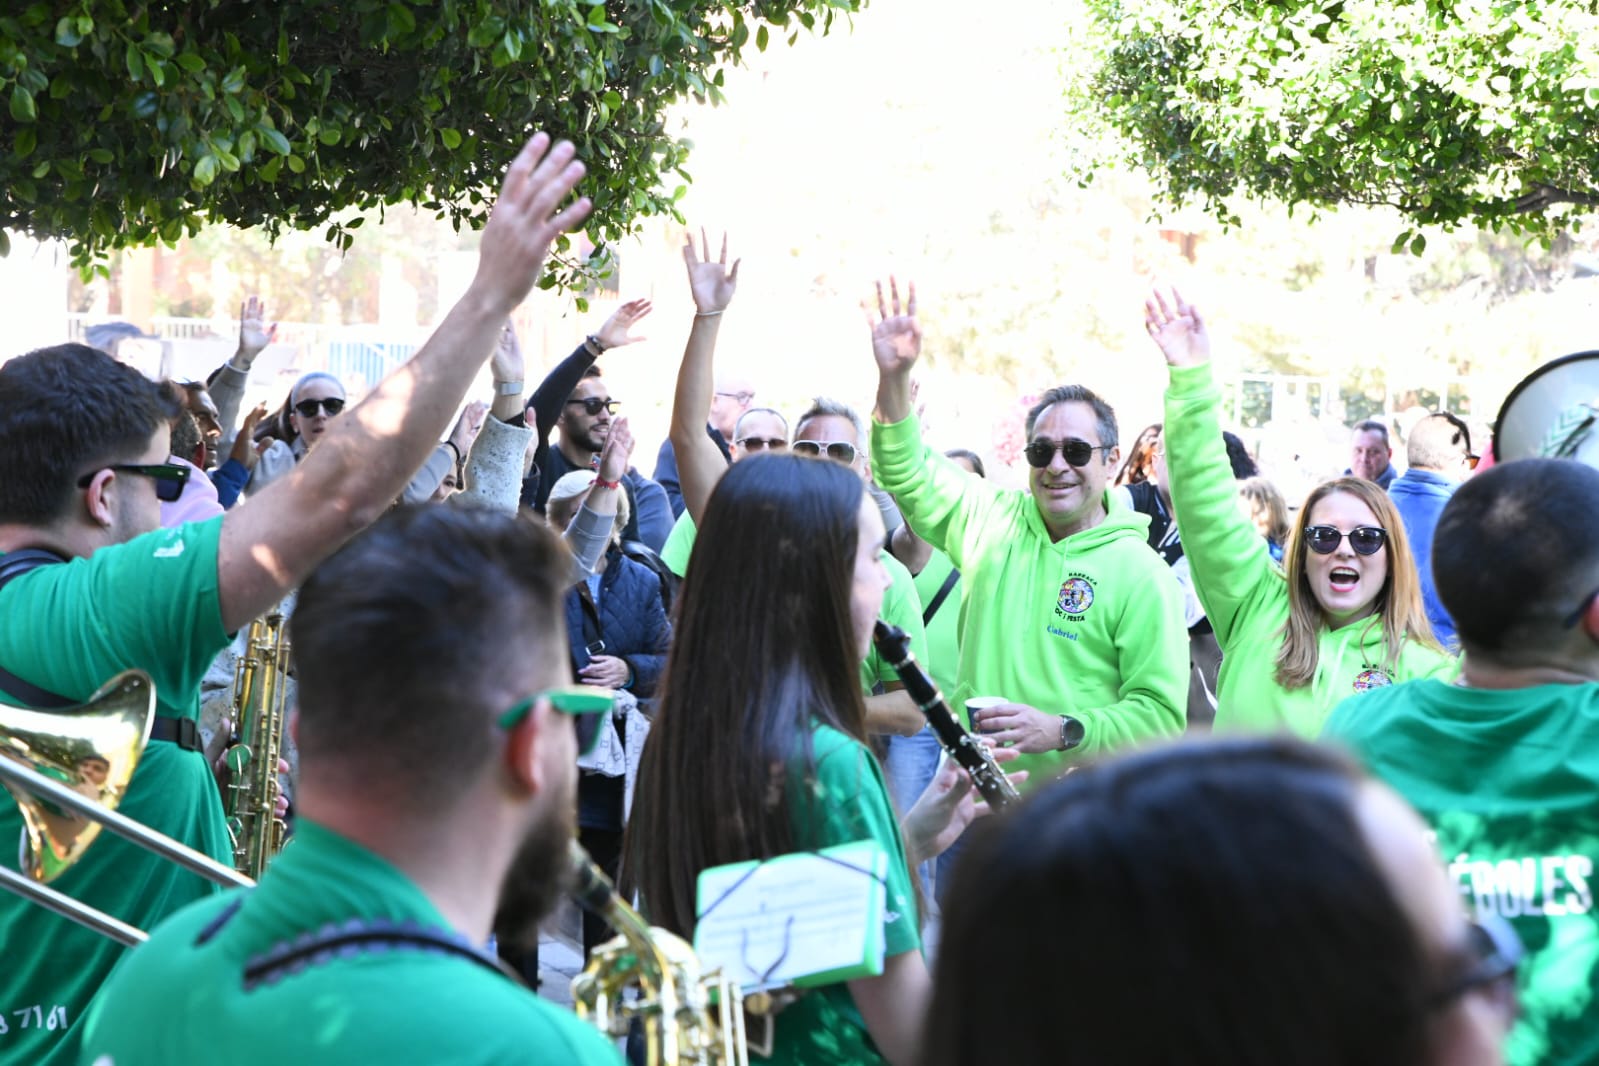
x: 1075, y: 452
x: 308, y: 408
x: 755, y: 444
x: 594, y: 405
x: 839, y: 450
x: 169, y: 478
x: 1365, y: 540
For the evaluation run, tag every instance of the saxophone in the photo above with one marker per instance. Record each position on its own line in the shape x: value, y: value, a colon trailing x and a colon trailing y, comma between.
x: 688, y: 1018
x: 259, y: 699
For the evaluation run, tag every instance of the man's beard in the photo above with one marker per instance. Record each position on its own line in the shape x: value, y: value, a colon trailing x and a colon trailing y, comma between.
x: 539, y: 876
x: 594, y: 439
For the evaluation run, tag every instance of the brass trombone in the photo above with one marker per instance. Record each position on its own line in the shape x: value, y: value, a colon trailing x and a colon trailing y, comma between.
x: 68, y: 770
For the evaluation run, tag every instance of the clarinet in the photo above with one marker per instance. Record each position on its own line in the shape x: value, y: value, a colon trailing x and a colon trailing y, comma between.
x: 973, y: 755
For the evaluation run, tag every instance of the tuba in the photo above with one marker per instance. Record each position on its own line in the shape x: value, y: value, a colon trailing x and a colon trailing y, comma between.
x: 676, y: 1005
x: 260, y: 696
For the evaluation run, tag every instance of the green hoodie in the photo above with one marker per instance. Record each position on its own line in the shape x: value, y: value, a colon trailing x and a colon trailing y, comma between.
x: 1245, y: 593
x: 1090, y: 626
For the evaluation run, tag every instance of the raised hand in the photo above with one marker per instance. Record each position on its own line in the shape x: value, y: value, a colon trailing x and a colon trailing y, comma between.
x: 896, y: 335
x: 712, y: 283
x: 245, y: 448
x: 253, y: 335
x: 468, y: 426
x: 506, y: 364
x: 615, y: 333
x: 617, y: 451
x: 525, y: 221
x: 1176, y: 328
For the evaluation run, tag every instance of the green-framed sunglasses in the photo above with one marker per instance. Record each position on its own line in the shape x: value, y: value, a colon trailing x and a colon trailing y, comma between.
x: 569, y: 700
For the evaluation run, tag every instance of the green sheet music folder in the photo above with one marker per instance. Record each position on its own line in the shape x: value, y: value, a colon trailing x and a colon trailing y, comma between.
x: 806, y: 919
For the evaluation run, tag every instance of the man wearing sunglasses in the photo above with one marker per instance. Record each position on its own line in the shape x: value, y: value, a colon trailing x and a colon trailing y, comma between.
x: 1068, y: 616
x: 437, y: 796
x: 95, y: 587
x: 1440, y: 458
x: 581, y: 432
x: 1503, y: 761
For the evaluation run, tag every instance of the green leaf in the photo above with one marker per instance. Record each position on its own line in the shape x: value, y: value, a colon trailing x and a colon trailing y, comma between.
x: 23, y: 108
x: 26, y: 141
x: 67, y: 35
x: 205, y: 171
x: 761, y: 38
x: 450, y: 137
x: 5, y: 244
x: 135, y: 61
x: 328, y: 135
x: 401, y: 20
x: 190, y: 62
x: 296, y: 164
x: 1418, y: 245
x: 274, y: 141
x: 102, y: 155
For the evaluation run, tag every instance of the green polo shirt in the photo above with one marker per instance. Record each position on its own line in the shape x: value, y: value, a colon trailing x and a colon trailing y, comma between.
x: 183, y: 998
x: 150, y: 603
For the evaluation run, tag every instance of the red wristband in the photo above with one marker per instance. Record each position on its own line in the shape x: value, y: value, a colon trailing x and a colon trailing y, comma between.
x: 602, y: 483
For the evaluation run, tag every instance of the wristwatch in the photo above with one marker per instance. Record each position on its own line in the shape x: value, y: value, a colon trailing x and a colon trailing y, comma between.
x: 596, y: 345
x: 1071, y: 732
x: 508, y: 388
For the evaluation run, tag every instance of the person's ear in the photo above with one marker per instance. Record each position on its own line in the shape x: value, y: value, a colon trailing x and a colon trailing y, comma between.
x: 97, y: 497
x: 1113, y: 458
x: 522, y: 748
x: 1590, y: 620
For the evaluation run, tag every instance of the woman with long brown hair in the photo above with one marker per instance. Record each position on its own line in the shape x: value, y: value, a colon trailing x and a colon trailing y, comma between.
x: 758, y: 747
x: 1342, y: 613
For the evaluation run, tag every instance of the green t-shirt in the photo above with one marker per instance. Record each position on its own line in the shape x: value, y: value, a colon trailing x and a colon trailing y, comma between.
x: 150, y: 603
x: 1245, y: 593
x: 943, y: 632
x: 182, y: 998
x: 1091, y: 625
x: 679, y: 545
x: 847, y: 801
x: 1509, y: 781
x: 902, y: 607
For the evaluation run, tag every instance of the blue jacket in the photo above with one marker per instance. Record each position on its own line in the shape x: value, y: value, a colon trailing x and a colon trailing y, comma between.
x: 1419, y: 497
x: 631, y: 621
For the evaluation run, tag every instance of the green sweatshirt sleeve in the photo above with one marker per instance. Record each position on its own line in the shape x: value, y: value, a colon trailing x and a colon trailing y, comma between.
x: 1232, y: 569
x: 1152, y: 658
x: 946, y: 506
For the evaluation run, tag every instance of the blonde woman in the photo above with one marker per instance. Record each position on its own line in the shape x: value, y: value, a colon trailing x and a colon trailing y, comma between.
x: 1342, y: 614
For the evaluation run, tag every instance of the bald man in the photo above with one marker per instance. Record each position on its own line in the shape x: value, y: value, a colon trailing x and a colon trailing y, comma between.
x: 733, y: 396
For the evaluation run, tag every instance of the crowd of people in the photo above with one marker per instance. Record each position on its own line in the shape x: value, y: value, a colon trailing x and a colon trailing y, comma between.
x: 505, y: 642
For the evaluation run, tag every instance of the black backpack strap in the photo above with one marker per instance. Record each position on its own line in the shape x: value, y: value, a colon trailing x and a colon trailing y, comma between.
x: 360, y: 936
x: 940, y: 596
x: 12, y: 566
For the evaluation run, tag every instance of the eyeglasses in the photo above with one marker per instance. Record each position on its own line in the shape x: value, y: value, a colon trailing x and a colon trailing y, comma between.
x: 308, y: 408
x: 1364, y: 540
x: 838, y: 450
x: 755, y: 444
x: 1075, y: 452
x: 741, y: 397
x: 569, y: 700
x: 1492, y: 952
x: 169, y: 478
x: 594, y: 405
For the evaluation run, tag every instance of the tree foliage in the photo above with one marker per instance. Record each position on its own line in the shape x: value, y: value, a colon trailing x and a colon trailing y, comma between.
x: 123, y: 124
x: 1448, y: 110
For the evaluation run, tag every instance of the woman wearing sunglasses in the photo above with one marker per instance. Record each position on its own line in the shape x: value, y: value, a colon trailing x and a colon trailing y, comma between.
x: 1249, y: 901
x: 313, y: 403
x: 1343, y: 612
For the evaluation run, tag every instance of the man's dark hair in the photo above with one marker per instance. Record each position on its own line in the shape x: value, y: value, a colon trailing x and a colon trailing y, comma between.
x: 971, y: 457
x: 1438, y: 442
x: 1244, y: 466
x: 1371, y: 425
x: 64, y: 411
x: 1328, y: 971
x: 1515, y: 552
x: 1104, y: 415
x: 412, y: 638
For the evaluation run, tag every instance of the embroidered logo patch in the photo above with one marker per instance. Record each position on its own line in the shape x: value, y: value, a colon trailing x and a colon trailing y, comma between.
x: 1370, y: 679
x: 1076, y: 596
